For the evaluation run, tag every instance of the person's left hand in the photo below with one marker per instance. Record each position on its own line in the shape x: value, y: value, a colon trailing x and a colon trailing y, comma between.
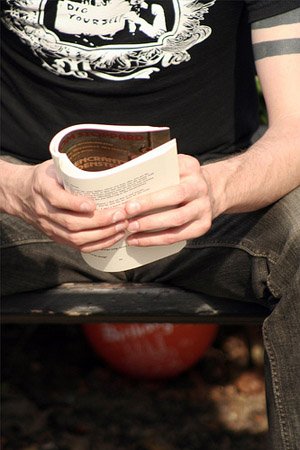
x: 185, y: 209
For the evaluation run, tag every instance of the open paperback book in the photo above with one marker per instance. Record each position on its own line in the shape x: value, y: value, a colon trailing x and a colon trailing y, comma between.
x: 112, y: 164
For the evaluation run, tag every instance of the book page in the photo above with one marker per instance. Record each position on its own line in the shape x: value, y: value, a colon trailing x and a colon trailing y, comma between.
x: 114, y: 190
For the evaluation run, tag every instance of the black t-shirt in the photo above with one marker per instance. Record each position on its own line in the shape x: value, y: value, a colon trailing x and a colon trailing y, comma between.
x: 179, y: 63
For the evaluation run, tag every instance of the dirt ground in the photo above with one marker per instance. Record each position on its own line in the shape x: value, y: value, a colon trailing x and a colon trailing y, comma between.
x: 58, y: 395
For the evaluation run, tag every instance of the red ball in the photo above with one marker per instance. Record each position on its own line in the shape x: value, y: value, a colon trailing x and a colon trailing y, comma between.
x: 151, y: 351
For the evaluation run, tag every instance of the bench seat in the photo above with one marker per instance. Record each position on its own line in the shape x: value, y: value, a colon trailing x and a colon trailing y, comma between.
x: 126, y: 302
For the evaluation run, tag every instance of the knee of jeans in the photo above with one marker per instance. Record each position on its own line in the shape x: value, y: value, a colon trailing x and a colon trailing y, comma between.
x: 275, y: 242
x: 285, y: 214
x: 285, y: 269
x: 15, y: 232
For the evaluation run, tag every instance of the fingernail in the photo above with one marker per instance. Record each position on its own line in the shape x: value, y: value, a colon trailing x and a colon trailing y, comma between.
x: 133, y: 226
x: 133, y: 207
x: 86, y: 207
x: 120, y: 226
x: 118, y: 216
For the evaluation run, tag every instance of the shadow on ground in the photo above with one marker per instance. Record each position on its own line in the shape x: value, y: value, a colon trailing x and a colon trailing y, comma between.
x: 57, y: 395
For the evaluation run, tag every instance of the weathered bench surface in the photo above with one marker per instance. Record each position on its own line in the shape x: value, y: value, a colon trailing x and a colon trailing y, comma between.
x: 95, y: 302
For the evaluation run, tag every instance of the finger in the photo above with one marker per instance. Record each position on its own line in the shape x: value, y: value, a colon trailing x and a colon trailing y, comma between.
x: 81, y: 238
x: 93, y: 246
x: 72, y: 221
x: 170, y: 218
x: 169, y: 236
x: 100, y: 245
x: 171, y: 196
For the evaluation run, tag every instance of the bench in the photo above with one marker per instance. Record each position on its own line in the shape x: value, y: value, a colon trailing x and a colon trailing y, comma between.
x: 73, y: 303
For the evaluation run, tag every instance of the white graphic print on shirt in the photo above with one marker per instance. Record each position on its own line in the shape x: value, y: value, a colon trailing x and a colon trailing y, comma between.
x: 110, y: 39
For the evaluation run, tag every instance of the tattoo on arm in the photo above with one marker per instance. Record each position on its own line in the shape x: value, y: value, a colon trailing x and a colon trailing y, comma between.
x: 287, y: 26
x: 281, y: 19
x: 274, y: 48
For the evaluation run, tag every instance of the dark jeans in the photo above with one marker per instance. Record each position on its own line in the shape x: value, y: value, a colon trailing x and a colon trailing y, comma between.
x: 253, y: 255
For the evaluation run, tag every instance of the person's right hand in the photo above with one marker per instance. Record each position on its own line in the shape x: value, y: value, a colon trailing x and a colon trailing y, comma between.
x: 35, y: 195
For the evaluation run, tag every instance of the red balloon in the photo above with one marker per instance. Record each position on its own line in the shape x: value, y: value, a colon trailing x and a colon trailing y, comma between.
x: 150, y: 351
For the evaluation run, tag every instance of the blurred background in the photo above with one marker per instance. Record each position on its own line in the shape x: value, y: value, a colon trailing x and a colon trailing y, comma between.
x: 58, y: 394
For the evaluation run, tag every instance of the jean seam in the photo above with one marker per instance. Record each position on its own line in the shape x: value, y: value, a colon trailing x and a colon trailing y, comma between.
x: 18, y: 242
x: 274, y: 289
x: 237, y: 245
x: 276, y: 387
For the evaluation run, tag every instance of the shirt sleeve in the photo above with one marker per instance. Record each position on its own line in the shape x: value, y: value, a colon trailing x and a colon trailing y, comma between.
x: 262, y: 9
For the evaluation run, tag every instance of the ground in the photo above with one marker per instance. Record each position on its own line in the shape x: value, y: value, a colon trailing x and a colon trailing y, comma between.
x: 58, y: 395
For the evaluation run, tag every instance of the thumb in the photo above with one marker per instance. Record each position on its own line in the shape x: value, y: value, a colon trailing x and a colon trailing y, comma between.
x: 63, y: 198
x: 77, y: 202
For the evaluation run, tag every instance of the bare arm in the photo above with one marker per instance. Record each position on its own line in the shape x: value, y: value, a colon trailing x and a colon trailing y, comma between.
x: 271, y: 168
x: 264, y: 173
